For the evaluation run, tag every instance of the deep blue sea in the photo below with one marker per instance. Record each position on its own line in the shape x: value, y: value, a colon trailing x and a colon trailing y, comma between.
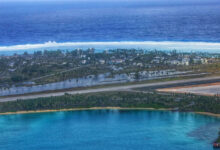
x: 148, y: 24
x: 108, y: 130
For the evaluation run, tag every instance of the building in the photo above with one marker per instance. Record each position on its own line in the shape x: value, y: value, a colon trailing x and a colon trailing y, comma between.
x: 185, y: 61
x: 204, y: 61
x: 83, y: 61
x: 174, y: 62
x: 102, y: 61
x: 117, y: 61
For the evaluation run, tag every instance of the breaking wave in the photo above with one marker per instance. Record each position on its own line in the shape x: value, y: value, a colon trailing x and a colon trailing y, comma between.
x: 160, y: 45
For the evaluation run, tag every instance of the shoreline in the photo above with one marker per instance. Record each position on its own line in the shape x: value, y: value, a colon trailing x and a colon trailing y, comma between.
x: 102, y: 108
x: 208, y: 114
x: 180, y: 89
x: 199, y: 46
x: 78, y: 109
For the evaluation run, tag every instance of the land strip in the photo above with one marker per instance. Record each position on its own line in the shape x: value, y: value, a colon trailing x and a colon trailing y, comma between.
x: 208, y: 89
x: 206, y: 105
x: 117, y: 88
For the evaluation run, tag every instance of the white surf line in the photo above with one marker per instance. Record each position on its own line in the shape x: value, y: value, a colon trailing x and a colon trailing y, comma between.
x: 165, y: 45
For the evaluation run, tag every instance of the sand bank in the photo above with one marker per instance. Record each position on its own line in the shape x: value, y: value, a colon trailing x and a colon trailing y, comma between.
x: 76, y: 109
x: 210, y: 89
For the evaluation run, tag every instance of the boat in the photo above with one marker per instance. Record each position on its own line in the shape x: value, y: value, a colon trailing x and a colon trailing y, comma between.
x: 216, y: 144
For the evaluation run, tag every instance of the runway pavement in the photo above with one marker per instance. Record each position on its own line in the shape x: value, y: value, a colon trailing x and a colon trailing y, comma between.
x: 117, y: 88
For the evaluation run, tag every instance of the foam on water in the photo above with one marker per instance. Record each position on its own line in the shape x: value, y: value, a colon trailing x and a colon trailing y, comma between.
x: 159, y: 45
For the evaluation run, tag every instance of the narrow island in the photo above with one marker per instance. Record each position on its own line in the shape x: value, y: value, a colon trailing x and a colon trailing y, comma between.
x: 117, y: 99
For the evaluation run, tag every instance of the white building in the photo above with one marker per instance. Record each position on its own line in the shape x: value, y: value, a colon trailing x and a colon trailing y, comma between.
x: 185, y: 61
x: 102, y: 61
x: 83, y: 61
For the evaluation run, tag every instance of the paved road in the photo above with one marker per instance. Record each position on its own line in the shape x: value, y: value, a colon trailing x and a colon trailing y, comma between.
x: 117, y: 88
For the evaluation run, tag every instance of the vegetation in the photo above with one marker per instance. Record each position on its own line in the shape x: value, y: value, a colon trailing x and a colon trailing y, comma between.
x: 218, y: 139
x: 182, y: 102
x: 53, y: 66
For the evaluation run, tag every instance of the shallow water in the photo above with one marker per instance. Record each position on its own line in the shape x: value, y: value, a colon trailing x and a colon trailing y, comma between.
x: 108, y: 129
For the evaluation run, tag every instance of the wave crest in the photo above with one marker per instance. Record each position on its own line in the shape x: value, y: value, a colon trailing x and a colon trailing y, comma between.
x: 160, y: 45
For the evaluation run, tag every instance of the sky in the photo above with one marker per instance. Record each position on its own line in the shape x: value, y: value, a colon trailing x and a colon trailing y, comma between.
x: 124, y: 2
x: 145, y: 2
x: 151, y: 1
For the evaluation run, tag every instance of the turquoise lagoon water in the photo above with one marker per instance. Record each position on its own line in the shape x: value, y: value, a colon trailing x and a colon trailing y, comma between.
x: 107, y: 130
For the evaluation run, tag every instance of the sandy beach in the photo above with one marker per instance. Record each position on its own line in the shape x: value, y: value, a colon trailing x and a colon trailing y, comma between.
x: 210, y: 89
x: 102, y: 108
x: 77, y: 109
x: 208, y: 114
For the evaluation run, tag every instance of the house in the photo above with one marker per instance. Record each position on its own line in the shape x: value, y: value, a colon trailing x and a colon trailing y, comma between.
x: 102, y: 61
x: 91, y: 50
x: 204, y: 61
x: 157, y: 59
x: 140, y: 64
x: 83, y: 61
x: 117, y: 61
x: 197, y: 60
x: 11, y: 64
x: 106, y: 52
x: 11, y: 70
x: 175, y: 62
x: 185, y: 61
x: 82, y: 56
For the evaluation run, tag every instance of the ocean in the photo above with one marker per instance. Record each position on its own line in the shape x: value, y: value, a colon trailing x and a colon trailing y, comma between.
x: 184, y: 25
x: 164, y: 25
x: 107, y: 130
